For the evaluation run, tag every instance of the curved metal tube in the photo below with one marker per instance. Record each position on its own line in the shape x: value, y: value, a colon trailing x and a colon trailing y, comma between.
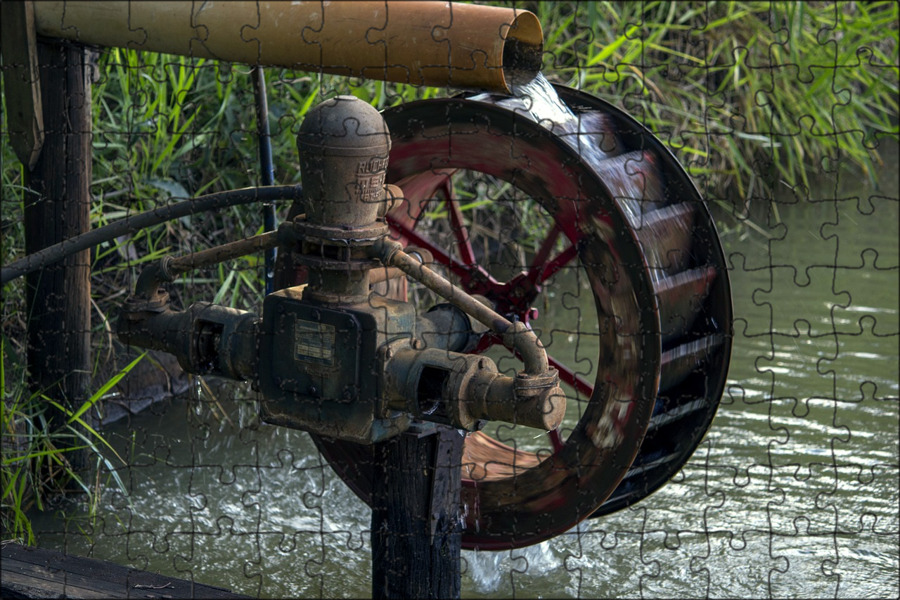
x: 516, y: 336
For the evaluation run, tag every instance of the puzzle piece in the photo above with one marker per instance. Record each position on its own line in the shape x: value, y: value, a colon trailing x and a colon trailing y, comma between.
x: 793, y: 490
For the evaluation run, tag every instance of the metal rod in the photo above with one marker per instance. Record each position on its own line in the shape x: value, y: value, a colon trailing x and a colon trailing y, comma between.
x: 168, y: 268
x: 267, y: 169
x: 229, y: 251
x: 388, y: 273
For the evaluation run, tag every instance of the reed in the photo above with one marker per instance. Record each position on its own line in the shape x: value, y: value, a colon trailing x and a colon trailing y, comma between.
x: 750, y: 96
x: 35, y: 467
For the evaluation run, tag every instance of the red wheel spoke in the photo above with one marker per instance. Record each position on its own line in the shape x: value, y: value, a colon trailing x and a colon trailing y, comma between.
x: 556, y: 440
x: 546, y: 247
x: 438, y: 253
x: 424, y: 185
x: 417, y: 190
x: 519, y: 292
x: 460, y: 232
x: 538, y: 274
x: 487, y: 340
x: 463, y: 271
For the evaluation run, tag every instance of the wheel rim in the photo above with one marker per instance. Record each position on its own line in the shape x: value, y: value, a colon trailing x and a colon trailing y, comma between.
x: 695, y: 314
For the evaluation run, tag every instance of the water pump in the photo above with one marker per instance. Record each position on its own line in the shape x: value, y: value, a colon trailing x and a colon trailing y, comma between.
x: 330, y: 356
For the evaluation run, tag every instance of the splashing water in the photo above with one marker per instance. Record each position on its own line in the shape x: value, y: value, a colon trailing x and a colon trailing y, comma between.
x: 489, y: 570
x: 540, y: 100
x: 592, y: 134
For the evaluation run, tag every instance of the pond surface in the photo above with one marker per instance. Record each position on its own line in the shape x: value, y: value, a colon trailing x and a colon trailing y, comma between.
x: 794, y: 491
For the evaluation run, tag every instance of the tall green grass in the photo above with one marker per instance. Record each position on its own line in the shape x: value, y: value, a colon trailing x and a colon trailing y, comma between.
x: 750, y: 95
x: 36, y: 463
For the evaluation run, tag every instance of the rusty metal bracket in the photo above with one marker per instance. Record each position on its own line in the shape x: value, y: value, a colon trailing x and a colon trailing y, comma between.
x: 22, y: 81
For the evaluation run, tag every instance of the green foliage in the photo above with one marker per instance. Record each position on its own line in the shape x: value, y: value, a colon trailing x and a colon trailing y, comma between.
x: 170, y: 127
x: 746, y: 93
x: 743, y: 92
x: 35, y: 464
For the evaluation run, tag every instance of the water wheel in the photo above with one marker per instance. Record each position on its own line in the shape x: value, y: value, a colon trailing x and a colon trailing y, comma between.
x: 618, y: 231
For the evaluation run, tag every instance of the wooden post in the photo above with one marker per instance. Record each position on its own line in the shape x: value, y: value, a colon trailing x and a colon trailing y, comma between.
x: 416, y: 528
x: 24, y: 117
x: 58, y: 208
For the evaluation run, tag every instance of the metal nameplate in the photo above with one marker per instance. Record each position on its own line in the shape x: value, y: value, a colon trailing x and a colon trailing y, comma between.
x: 314, y: 342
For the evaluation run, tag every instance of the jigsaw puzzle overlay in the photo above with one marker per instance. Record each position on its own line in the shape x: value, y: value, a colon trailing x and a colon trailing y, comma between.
x: 736, y: 310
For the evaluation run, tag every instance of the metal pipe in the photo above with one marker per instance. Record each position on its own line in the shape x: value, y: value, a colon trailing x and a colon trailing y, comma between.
x: 218, y: 200
x: 421, y: 43
x: 217, y: 254
x: 388, y: 273
x: 468, y: 387
x: 490, y: 397
x: 515, y: 335
x: 206, y: 338
x: 267, y: 169
x: 168, y: 268
x: 384, y: 274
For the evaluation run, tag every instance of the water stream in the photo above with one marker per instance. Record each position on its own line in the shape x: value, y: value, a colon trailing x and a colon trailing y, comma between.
x: 794, y: 491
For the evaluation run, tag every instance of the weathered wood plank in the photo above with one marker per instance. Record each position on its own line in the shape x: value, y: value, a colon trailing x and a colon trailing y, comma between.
x: 57, y: 207
x: 416, y: 531
x: 40, y: 573
x: 23, y: 91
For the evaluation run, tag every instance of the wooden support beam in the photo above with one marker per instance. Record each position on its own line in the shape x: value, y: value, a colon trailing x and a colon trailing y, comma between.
x: 18, y: 45
x: 58, y: 208
x: 39, y: 573
x: 416, y: 529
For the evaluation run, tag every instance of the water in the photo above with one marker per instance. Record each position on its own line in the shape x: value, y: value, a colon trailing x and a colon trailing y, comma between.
x: 590, y: 133
x: 537, y: 99
x: 794, y: 492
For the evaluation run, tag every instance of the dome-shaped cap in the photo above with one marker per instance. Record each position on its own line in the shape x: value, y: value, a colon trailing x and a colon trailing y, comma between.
x: 344, y: 126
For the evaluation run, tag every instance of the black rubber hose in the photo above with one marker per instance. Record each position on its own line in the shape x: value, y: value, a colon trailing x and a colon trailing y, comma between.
x: 218, y: 200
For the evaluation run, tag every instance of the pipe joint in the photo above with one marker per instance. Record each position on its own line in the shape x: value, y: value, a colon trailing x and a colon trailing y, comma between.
x: 518, y: 337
